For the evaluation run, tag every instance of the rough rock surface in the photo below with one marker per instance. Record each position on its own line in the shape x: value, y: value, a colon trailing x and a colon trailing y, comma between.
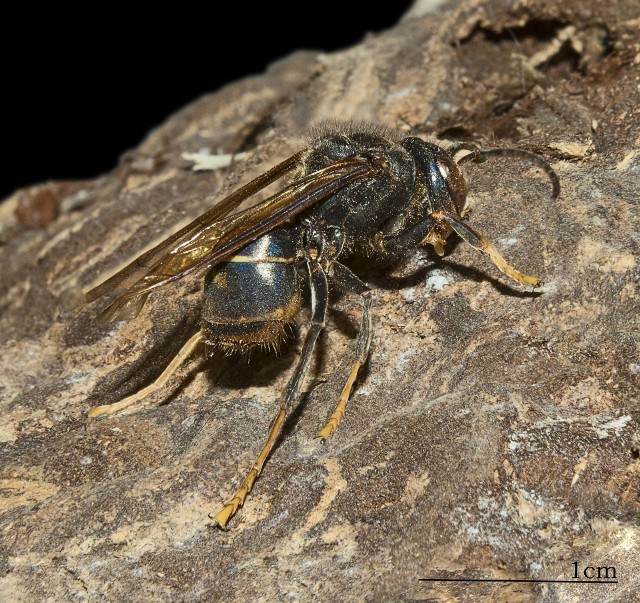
x: 494, y: 433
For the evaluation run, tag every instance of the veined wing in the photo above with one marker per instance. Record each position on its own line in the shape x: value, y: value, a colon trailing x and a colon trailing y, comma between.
x: 214, y: 240
x: 145, y: 262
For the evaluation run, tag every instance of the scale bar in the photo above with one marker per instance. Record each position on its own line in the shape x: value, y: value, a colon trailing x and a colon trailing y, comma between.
x: 516, y: 580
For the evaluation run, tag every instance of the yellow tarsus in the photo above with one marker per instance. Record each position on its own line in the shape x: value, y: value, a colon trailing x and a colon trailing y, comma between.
x: 505, y: 267
x: 108, y: 409
x: 237, y: 500
x: 338, y: 413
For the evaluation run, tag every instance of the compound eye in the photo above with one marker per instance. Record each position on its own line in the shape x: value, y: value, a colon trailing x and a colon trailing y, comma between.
x: 455, y: 183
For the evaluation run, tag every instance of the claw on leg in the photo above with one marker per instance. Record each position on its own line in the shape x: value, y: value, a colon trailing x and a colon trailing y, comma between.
x: 237, y: 500
x: 504, y: 266
x: 479, y: 242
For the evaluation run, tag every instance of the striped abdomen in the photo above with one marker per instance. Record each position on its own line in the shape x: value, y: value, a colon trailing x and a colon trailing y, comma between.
x: 251, y: 299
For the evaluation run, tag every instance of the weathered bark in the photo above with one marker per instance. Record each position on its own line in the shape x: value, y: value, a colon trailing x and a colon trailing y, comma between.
x: 494, y: 433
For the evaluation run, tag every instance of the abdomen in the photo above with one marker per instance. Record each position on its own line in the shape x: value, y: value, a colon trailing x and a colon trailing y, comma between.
x: 252, y: 299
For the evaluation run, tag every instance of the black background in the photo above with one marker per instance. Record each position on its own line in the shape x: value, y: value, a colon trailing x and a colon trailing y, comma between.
x: 82, y: 88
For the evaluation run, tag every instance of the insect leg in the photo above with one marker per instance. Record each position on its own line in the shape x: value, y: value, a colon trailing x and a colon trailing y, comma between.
x: 435, y: 228
x: 406, y: 239
x: 319, y: 303
x: 180, y: 357
x: 347, y: 281
x: 477, y: 241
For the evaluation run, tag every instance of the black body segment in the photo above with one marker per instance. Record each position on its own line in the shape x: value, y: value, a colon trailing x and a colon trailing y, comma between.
x: 362, y: 207
x: 445, y: 188
x: 250, y: 299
